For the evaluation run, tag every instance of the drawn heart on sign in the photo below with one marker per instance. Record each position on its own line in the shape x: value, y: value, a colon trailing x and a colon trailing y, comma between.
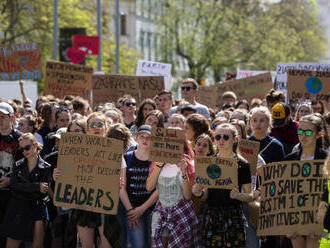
x: 75, y: 55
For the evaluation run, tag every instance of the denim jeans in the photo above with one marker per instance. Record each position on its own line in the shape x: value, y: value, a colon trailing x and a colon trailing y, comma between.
x: 251, y: 239
x: 140, y: 237
x: 122, y: 220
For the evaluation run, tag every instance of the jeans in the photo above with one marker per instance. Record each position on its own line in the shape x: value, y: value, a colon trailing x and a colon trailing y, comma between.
x: 251, y: 239
x: 122, y: 220
x: 140, y: 237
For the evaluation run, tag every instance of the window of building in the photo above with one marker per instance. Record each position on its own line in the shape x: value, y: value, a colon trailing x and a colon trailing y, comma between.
x: 123, y: 24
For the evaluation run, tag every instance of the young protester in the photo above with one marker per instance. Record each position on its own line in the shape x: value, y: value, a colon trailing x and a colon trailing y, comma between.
x: 115, y: 115
x: 284, y: 128
x: 174, y: 223
x: 318, y: 107
x: 222, y: 217
x: 79, y: 105
x: 310, y: 147
x: 49, y: 123
x: 274, y: 97
x: 271, y: 150
x: 128, y: 108
x: 138, y: 202
x: 195, y: 125
x: 228, y: 99
x: 189, y: 88
x: 240, y: 114
x: 204, y: 146
x: 146, y: 107
x: 26, y: 212
x: 176, y: 120
x: 9, y: 153
x: 187, y: 109
x: 217, y: 121
x: 154, y: 118
x: 30, y: 124
x: 165, y: 102
x: 242, y: 104
x: 302, y: 110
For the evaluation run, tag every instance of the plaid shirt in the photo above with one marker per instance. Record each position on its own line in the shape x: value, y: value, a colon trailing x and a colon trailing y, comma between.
x: 181, y: 223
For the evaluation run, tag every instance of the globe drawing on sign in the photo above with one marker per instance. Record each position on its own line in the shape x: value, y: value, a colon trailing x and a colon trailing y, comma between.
x: 213, y: 171
x: 272, y: 189
x: 313, y: 85
x: 306, y: 170
x: 300, y: 201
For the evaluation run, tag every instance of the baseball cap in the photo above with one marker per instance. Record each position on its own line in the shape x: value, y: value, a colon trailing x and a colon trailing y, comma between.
x: 6, y: 108
x: 144, y: 129
x: 59, y: 133
x: 280, y: 112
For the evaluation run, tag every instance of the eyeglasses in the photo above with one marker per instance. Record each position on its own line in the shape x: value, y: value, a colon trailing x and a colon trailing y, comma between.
x: 187, y: 88
x: 224, y: 136
x: 127, y: 104
x: 97, y: 125
x: 26, y: 148
x: 307, y: 132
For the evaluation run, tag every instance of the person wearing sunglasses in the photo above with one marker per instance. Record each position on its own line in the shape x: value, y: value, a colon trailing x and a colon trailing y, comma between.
x: 27, y: 213
x: 223, y: 208
x: 189, y: 89
x: 310, y: 147
x: 129, y: 109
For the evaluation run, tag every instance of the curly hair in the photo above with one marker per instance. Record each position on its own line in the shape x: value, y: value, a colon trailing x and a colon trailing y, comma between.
x: 199, y: 124
x: 121, y: 132
x: 158, y: 114
x: 140, y: 118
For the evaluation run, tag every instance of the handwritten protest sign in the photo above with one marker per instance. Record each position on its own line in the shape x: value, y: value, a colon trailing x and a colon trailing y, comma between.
x: 151, y: 68
x: 90, y: 173
x: 167, y: 145
x: 304, y: 85
x: 249, y: 150
x: 216, y: 172
x: 20, y: 61
x: 282, y: 68
x: 248, y: 88
x: 207, y: 95
x: 247, y: 73
x: 290, y: 195
x: 108, y: 88
x: 68, y: 79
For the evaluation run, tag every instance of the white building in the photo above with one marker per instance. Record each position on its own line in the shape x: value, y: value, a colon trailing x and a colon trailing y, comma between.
x: 324, y: 17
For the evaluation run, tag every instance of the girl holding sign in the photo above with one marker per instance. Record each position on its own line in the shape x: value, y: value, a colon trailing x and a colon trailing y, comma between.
x: 310, y: 147
x: 222, y: 218
x: 174, y: 183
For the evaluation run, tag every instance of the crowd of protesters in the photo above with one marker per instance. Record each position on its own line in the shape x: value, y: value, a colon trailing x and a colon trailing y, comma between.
x: 160, y: 203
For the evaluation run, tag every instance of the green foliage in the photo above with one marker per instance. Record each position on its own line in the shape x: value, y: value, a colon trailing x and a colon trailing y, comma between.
x: 217, y: 34
x: 32, y: 21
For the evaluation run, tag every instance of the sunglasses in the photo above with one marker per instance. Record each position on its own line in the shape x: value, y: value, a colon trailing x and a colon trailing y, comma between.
x: 219, y: 137
x: 187, y: 88
x: 127, y: 104
x: 26, y: 148
x: 97, y: 125
x: 307, y: 132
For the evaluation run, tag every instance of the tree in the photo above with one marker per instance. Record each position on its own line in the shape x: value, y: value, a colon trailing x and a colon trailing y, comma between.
x: 216, y: 34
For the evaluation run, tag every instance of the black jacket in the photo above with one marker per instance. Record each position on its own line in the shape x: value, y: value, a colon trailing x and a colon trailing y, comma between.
x: 25, y: 185
x: 296, y: 154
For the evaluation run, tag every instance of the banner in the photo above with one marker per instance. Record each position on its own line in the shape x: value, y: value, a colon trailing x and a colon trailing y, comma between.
x: 281, y: 72
x: 290, y: 195
x: 88, y: 44
x: 249, y: 150
x: 207, y: 95
x: 68, y: 79
x: 20, y: 61
x: 108, y: 88
x: 167, y: 145
x: 216, y: 172
x: 248, y: 88
x: 67, y: 52
x: 304, y: 85
x: 151, y: 68
x: 90, y: 173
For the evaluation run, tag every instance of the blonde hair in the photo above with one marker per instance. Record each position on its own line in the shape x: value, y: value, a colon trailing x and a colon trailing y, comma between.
x: 264, y: 110
x: 230, y: 127
x: 32, y: 138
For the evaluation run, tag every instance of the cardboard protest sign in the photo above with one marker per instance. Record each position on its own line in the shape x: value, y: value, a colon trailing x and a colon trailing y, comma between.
x: 207, y: 95
x: 108, y: 88
x: 216, y: 172
x: 248, y: 88
x: 290, y: 195
x: 20, y: 61
x: 282, y: 68
x: 151, y: 68
x: 90, y: 173
x: 68, y: 79
x: 249, y: 150
x: 167, y: 145
x: 304, y: 84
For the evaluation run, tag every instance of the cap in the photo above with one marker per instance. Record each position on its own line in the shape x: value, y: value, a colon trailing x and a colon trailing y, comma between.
x: 144, y: 129
x: 6, y: 108
x: 279, y: 113
x: 58, y: 133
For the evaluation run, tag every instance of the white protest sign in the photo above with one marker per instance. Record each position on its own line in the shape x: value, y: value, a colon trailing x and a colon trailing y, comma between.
x: 151, y: 68
x: 282, y: 76
x: 247, y: 73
